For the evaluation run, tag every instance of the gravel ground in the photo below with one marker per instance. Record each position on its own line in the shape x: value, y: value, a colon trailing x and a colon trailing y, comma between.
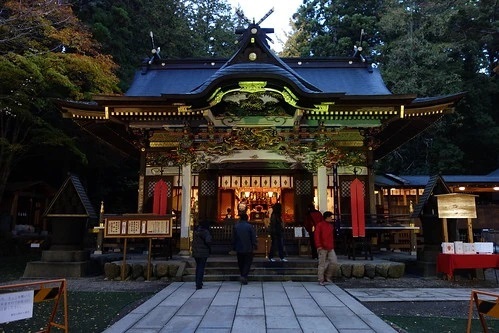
x: 449, y: 309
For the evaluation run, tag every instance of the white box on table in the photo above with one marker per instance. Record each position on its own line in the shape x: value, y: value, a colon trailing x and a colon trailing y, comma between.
x: 458, y: 248
x: 484, y: 247
x: 469, y: 248
x: 448, y: 248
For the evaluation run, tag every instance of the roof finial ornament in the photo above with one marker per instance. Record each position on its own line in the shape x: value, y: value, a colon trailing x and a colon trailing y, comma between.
x: 357, y: 50
x: 265, y: 16
x: 254, y: 28
x: 243, y: 17
x: 155, y: 50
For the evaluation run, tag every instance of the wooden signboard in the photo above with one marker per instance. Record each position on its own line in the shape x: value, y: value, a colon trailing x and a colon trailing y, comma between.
x: 138, y: 226
x: 456, y: 206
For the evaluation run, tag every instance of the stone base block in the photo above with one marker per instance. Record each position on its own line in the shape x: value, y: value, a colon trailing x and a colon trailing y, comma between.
x: 65, y: 256
x: 44, y: 269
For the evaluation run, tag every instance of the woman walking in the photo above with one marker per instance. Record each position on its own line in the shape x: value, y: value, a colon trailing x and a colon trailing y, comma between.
x: 201, y: 248
x: 276, y: 233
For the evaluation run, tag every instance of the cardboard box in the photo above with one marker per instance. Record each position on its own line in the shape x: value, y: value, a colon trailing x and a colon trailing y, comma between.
x: 484, y: 247
x: 458, y: 247
x: 448, y: 248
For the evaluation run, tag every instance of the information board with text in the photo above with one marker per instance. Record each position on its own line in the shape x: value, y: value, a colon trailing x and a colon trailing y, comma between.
x: 138, y: 226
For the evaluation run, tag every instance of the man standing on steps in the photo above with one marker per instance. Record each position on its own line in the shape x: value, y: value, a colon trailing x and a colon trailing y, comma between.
x: 311, y: 220
x: 244, y: 243
x: 324, y: 240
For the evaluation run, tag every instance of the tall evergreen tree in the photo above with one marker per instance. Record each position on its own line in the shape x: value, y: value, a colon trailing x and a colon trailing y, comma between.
x: 181, y: 29
x: 333, y: 27
x: 46, y: 53
x: 425, y: 47
x: 213, y: 25
x: 443, y: 47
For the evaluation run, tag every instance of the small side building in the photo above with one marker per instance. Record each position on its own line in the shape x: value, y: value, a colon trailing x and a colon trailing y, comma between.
x: 69, y: 216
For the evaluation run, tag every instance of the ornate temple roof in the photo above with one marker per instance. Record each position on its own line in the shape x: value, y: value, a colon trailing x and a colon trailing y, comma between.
x: 255, y: 87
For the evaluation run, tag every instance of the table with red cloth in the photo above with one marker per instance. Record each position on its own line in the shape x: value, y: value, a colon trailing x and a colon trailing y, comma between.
x: 447, y: 263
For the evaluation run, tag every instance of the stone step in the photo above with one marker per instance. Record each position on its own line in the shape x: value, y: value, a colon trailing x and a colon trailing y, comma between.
x: 259, y: 263
x: 255, y: 270
x: 235, y: 277
x: 296, y: 269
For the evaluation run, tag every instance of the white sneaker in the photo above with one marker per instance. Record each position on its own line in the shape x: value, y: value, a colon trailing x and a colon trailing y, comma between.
x: 284, y: 259
x: 272, y: 259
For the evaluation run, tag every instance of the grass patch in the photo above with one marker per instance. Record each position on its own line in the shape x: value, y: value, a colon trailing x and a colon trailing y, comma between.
x: 13, y: 266
x: 88, y: 312
x: 440, y: 324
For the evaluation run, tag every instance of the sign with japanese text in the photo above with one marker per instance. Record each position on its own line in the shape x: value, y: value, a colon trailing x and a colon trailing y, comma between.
x: 138, y: 226
x: 16, y: 306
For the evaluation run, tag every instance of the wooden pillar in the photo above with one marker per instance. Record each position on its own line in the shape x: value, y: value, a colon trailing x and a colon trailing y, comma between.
x: 444, y: 230
x: 470, y: 231
x: 322, y: 188
x: 141, y: 190
x: 185, y: 217
x: 371, y: 198
x: 336, y: 195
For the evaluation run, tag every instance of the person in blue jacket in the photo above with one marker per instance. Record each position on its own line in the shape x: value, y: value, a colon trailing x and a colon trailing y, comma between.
x: 244, y: 243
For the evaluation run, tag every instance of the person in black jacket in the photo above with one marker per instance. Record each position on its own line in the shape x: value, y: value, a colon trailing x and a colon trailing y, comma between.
x: 244, y: 243
x: 276, y: 229
x: 201, y: 248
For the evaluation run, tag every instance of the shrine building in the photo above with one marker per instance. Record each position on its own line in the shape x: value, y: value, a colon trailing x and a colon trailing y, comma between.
x: 256, y: 129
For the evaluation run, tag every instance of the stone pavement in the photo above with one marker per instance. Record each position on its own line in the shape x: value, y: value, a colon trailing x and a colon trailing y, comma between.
x: 257, y: 307
x: 414, y: 294
x: 272, y: 307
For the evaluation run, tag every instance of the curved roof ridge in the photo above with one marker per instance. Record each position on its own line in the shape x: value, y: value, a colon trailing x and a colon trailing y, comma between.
x: 255, y: 50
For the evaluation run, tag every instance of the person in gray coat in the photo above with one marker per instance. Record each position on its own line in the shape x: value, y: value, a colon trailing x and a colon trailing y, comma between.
x: 244, y: 243
x: 201, y: 249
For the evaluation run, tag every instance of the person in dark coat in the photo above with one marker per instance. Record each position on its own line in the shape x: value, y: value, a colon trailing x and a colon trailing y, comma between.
x: 276, y: 229
x: 311, y: 220
x: 244, y: 243
x: 201, y: 248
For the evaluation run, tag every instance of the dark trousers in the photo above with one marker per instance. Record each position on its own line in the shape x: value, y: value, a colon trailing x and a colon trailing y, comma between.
x: 277, y: 244
x: 313, y: 249
x: 200, y: 266
x: 244, y: 261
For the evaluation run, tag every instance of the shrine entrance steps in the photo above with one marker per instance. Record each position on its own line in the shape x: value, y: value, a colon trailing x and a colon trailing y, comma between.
x: 297, y: 268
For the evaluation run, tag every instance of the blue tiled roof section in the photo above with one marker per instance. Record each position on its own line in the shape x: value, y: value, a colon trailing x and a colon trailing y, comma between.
x: 471, y: 179
x: 351, y: 81
x: 168, y: 81
x: 254, y: 70
x: 417, y: 180
x: 395, y: 181
x: 184, y: 81
x: 494, y: 173
x: 421, y: 181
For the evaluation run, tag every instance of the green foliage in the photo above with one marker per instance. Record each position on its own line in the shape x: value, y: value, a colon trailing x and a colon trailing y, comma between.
x: 46, y: 54
x: 181, y: 29
x: 429, y: 48
x: 332, y: 28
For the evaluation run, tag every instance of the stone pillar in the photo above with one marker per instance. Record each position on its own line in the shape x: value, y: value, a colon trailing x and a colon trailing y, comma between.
x: 185, y: 220
x: 322, y: 188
